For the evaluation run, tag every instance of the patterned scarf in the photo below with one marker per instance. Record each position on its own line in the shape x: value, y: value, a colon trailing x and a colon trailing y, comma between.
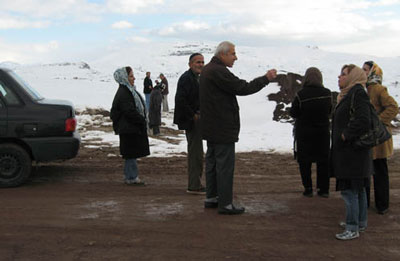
x: 121, y: 77
x: 356, y: 76
x: 375, y: 75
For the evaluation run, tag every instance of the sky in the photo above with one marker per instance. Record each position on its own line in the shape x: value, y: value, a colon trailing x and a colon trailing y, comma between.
x: 35, y: 31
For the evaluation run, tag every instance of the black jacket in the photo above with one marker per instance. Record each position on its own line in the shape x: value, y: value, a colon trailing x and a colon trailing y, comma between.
x: 125, y: 117
x: 347, y: 162
x: 187, y: 101
x: 220, y: 122
x: 312, y: 108
x: 147, y: 85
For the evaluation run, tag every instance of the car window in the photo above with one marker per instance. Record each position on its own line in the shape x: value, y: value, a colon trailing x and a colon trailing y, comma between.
x: 32, y: 92
x: 8, y: 95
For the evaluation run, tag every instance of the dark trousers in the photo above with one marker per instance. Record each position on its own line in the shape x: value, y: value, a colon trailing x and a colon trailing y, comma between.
x: 156, y: 129
x: 195, y: 156
x: 322, y: 175
x: 220, y: 165
x: 381, y: 185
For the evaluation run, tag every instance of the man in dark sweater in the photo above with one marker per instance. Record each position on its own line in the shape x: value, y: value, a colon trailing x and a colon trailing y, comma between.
x: 147, y: 87
x: 187, y: 117
x: 220, y: 123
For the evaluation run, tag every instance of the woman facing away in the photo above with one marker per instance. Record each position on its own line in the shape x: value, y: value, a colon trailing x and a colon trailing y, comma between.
x: 312, y: 108
x: 128, y: 114
x: 387, y: 109
x: 351, y: 167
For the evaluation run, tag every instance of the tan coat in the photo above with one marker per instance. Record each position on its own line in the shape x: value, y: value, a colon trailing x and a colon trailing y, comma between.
x: 387, y: 109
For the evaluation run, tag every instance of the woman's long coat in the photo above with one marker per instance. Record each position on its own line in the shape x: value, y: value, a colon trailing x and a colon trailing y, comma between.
x: 129, y: 124
x: 347, y: 162
x: 387, y: 109
x: 155, y: 107
x: 312, y: 108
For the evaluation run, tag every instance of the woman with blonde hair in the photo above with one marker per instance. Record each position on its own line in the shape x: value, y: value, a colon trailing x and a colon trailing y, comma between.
x: 350, y: 166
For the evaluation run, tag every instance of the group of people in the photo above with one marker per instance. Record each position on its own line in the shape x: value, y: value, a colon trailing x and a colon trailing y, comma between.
x: 333, y: 153
x: 155, y: 96
x: 206, y: 108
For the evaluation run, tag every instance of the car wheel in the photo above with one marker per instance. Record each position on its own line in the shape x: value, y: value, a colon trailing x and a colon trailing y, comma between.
x: 15, y: 165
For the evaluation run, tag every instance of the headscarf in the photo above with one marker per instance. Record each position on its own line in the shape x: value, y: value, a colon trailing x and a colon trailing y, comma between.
x: 121, y: 77
x: 375, y: 75
x: 356, y: 76
x: 313, y: 77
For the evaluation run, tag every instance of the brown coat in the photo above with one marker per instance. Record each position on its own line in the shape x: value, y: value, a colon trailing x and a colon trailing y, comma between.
x: 387, y: 109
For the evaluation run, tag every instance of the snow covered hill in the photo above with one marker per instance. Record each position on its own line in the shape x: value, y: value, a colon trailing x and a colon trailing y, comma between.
x: 90, y: 84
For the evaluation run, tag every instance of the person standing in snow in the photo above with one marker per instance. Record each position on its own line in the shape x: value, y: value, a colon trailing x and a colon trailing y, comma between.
x: 220, y: 124
x: 147, y: 88
x: 164, y: 92
x: 155, y: 109
x: 128, y: 114
x: 387, y: 109
x: 312, y: 108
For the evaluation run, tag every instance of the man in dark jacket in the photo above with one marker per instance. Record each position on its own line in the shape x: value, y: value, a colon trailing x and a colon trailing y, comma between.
x: 147, y: 87
x: 164, y: 92
x: 220, y: 124
x: 187, y: 117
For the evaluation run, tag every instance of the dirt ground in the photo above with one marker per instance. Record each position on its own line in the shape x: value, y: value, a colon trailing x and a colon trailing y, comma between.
x: 80, y: 210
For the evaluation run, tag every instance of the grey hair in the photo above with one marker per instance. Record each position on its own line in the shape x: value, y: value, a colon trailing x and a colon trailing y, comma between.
x: 223, y: 48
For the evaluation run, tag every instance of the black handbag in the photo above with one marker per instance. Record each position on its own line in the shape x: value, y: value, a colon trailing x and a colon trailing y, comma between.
x: 377, y: 133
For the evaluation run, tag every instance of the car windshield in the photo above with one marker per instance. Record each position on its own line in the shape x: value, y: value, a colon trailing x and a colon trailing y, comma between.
x: 32, y: 92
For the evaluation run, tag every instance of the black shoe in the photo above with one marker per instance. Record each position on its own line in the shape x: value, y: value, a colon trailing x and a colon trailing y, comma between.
x: 210, y: 204
x: 323, y: 194
x: 200, y: 191
x: 233, y: 211
x: 383, y: 212
x: 308, y: 193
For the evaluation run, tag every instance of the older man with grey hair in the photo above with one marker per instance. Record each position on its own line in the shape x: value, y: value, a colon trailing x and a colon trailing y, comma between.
x: 220, y: 124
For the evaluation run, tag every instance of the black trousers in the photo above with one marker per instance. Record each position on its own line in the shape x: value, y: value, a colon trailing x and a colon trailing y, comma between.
x: 195, y: 156
x: 220, y: 165
x: 381, y: 185
x: 322, y: 175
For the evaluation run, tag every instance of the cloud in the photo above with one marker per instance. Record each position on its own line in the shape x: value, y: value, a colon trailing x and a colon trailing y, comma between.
x: 122, y: 25
x: 139, y: 39
x: 130, y: 6
x: 184, y: 27
x: 26, y: 52
x: 7, y: 22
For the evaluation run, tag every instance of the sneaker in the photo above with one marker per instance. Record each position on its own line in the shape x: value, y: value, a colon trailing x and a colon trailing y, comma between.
x: 135, y: 182
x: 347, y: 235
x: 200, y: 191
x: 342, y: 224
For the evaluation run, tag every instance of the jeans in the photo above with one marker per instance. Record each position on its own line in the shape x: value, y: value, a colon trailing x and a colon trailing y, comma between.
x: 147, y: 97
x: 356, y: 208
x: 220, y: 165
x: 130, y: 169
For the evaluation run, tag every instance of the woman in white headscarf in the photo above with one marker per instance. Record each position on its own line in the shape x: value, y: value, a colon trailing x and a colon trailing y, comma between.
x: 128, y: 114
x: 351, y: 167
x: 387, y: 109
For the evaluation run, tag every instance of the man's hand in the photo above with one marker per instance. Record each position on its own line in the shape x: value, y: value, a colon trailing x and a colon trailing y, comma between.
x: 271, y: 74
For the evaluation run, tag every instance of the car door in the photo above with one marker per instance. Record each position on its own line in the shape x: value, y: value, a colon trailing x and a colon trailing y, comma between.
x: 3, y: 112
